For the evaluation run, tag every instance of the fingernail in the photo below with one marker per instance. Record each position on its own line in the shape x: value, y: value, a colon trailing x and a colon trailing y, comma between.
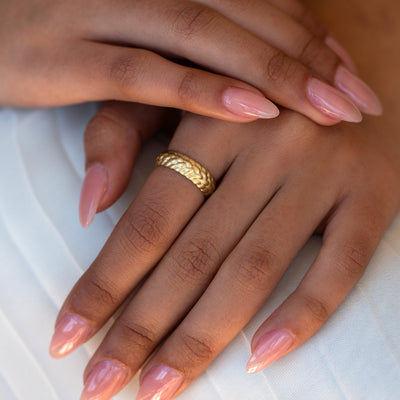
x: 341, y: 53
x: 160, y: 383
x: 245, y: 103
x: 105, y: 380
x: 70, y: 333
x: 270, y: 348
x: 332, y: 102
x: 362, y: 95
x: 93, y: 188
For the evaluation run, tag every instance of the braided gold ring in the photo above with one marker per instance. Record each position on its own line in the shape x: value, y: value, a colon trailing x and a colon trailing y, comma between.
x: 189, y: 168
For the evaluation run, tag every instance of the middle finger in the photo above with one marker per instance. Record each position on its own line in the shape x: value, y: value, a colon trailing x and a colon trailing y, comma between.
x: 208, y: 38
x: 243, y: 283
x: 143, y: 235
x: 186, y: 270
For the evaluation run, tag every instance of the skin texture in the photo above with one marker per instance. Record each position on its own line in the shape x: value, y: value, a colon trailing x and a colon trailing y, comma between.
x: 71, y: 52
x: 295, y: 177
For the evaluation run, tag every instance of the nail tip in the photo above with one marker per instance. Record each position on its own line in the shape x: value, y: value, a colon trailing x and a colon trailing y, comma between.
x: 106, y: 379
x: 342, y: 53
x: 359, y: 92
x: 85, y: 223
x: 54, y: 354
x: 245, y: 103
x: 94, y: 187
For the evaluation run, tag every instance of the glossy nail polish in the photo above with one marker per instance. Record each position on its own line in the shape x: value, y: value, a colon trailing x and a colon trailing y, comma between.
x: 93, y: 189
x: 245, y: 103
x: 70, y: 333
x: 341, y: 53
x: 362, y: 95
x: 270, y: 348
x: 105, y: 380
x: 332, y: 102
x: 160, y: 383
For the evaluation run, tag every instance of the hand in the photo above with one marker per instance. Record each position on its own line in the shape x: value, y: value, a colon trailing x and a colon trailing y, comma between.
x: 59, y: 52
x: 293, y: 177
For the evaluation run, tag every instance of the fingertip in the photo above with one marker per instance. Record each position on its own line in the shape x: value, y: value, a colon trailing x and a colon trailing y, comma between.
x: 71, y: 331
x: 268, y: 349
x: 339, y: 50
x: 248, y: 104
x: 93, y: 189
x: 331, y: 102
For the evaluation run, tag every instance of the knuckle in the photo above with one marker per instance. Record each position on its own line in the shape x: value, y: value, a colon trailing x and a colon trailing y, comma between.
x: 106, y: 121
x: 353, y: 261
x: 126, y: 71
x: 255, y: 268
x: 191, y: 19
x: 310, y: 49
x: 194, y: 264
x: 136, y: 336
x: 197, y: 350
x: 314, y: 52
x: 279, y: 68
x: 316, y: 308
x: 144, y: 229
x: 189, y: 88
x: 100, y: 291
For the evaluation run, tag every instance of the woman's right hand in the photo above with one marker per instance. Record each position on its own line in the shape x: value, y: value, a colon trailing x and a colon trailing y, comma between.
x: 57, y: 52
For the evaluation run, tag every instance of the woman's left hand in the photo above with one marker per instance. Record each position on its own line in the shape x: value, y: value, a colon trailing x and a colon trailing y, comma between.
x: 279, y: 181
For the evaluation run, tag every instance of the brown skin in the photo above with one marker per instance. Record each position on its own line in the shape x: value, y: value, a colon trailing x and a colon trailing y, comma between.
x: 58, y: 53
x: 345, y: 177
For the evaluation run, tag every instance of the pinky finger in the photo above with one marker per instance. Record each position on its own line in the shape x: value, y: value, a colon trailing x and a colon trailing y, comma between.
x: 112, y: 141
x: 348, y: 244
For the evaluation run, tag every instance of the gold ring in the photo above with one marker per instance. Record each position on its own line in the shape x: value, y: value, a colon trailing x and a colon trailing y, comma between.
x: 189, y: 168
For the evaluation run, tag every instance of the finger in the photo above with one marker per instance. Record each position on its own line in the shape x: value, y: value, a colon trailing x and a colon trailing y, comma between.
x: 112, y: 141
x: 186, y: 270
x: 285, y: 33
x: 143, y: 235
x: 304, y: 15
x: 97, y: 71
x: 250, y: 272
x: 202, y: 35
x: 301, y: 13
x: 348, y: 244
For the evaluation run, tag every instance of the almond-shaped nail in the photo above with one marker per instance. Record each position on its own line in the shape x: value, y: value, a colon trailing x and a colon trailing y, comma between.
x: 93, y: 188
x: 71, y: 331
x: 248, y: 104
x: 160, y: 383
x: 270, y: 348
x: 332, y: 102
x: 341, y: 53
x: 105, y: 380
x: 362, y: 95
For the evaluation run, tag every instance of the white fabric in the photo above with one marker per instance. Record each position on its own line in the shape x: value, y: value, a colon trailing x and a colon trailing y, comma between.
x: 43, y: 251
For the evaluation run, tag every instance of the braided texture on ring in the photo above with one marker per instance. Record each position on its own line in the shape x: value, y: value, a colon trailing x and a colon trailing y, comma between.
x: 189, y: 168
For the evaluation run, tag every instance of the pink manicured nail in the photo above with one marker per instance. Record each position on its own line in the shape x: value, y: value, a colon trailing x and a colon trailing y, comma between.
x: 362, y: 95
x: 332, y: 102
x: 93, y: 189
x: 269, y: 348
x: 341, y: 53
x: 105, y: 380
x: 160, y: 383
x: 70, y: 333
x: 245, y: 103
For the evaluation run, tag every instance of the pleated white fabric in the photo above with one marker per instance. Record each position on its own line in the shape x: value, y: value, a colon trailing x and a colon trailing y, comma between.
x: 43, y: 251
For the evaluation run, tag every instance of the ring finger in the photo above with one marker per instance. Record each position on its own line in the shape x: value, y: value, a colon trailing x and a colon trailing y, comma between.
x: 143, y: 235
x: 182, y: 275
x: 202, y: 35
x: 250, y: 272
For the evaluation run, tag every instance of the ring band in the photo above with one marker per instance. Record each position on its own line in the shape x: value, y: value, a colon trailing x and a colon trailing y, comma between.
x: 189, y: 168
